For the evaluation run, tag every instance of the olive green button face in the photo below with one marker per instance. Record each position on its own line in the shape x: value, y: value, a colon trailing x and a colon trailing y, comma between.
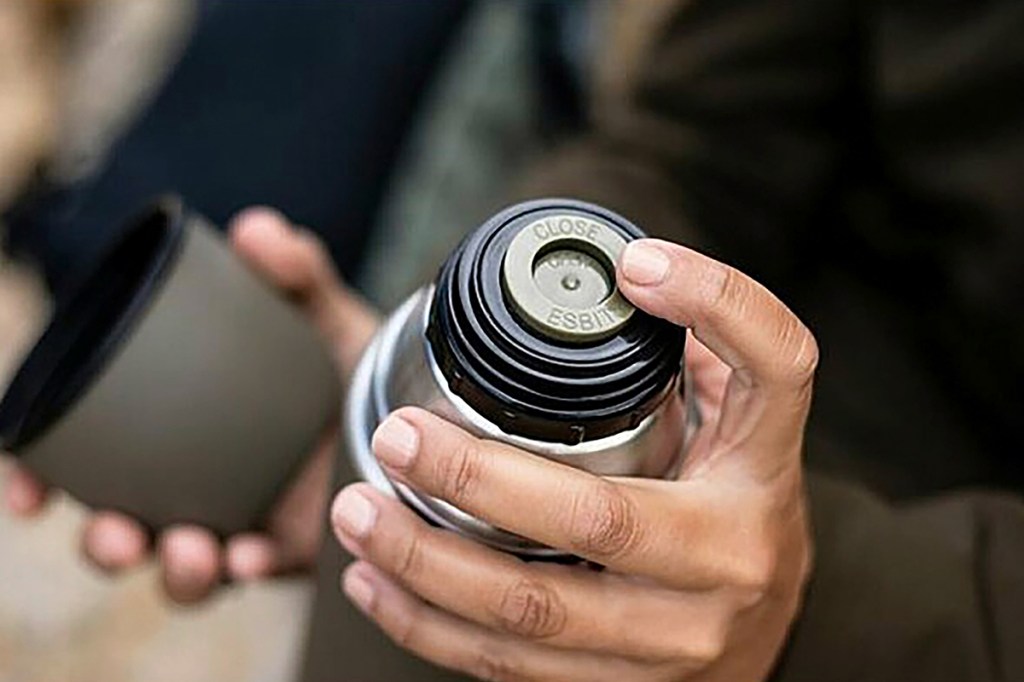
x: 571, y: 278
x: 559, y: 274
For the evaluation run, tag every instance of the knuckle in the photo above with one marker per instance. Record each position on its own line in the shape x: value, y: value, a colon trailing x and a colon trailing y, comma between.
x: 402, y: 623
x: 410, y: 558
x: 707, y: 647
x: 314, y: 252
x: 403, y: 631
x: 755, y: 569
x: 723, y: 291
x: 727, y: 294
x: 604, y: 522
x: 672, y: 671
x: 695, y: 647
x: 800, y: 353
x: 530, y: 608
x: 458, y: 474
x: 805, y: 565
x: 317, y: 274
x: 807, y: 357
x: 493, y: 665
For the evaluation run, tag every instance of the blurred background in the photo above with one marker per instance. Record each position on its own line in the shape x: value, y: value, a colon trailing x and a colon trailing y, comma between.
x: 378, y: 123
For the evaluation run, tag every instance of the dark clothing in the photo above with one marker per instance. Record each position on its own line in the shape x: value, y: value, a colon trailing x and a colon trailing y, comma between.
x: 865, y: 161
x: 301, y: 106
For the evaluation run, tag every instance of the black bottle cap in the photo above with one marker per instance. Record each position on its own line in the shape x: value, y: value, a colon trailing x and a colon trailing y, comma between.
x: 554, y: 381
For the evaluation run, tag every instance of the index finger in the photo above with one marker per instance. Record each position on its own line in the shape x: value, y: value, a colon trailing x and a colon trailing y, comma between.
x: 772, y: 354
x: 683, y: 534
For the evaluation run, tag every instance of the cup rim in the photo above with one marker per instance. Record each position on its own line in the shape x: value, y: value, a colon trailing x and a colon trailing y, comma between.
x: 86, y: 330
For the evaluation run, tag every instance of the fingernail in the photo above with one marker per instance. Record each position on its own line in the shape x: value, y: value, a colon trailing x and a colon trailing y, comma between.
x: 187, y: 570
x: 359, y: 590
x: 109, y: 550
x: 354, y: 513
x: 19, y: 500
x: 187, y: 576
x: 266, y: 219
x: 644, y: 264
x: 250, y: 559
x: 396, y: 442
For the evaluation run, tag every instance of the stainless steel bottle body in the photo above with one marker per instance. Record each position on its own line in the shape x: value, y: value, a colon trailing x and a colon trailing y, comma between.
x: 399, y: 369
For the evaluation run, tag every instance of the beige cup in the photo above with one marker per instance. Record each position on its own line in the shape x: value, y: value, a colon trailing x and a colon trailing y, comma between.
x: 175, y: 386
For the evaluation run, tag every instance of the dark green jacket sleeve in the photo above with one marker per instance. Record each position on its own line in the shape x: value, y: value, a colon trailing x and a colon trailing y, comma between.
x: 731, y: 134
x: 927, y: 591
x: 733, y: 139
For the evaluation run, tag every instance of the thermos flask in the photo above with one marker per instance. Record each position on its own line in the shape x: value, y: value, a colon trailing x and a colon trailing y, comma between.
x: 522, y: 338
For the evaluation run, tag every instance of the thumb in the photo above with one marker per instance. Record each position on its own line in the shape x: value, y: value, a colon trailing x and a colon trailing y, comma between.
x: 296, y: 262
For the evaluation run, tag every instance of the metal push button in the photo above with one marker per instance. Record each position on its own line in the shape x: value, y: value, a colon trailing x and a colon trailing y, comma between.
x: 559, y: 276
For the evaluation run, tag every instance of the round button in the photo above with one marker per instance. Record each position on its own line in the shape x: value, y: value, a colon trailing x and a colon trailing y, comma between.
x: 559, y: 275
x: 572, y: 278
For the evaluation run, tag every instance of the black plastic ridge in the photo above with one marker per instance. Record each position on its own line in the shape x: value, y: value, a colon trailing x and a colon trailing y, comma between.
x: 530, y: 384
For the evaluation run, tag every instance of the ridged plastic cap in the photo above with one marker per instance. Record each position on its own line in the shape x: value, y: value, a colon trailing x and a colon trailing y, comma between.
x: 528, y: 364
